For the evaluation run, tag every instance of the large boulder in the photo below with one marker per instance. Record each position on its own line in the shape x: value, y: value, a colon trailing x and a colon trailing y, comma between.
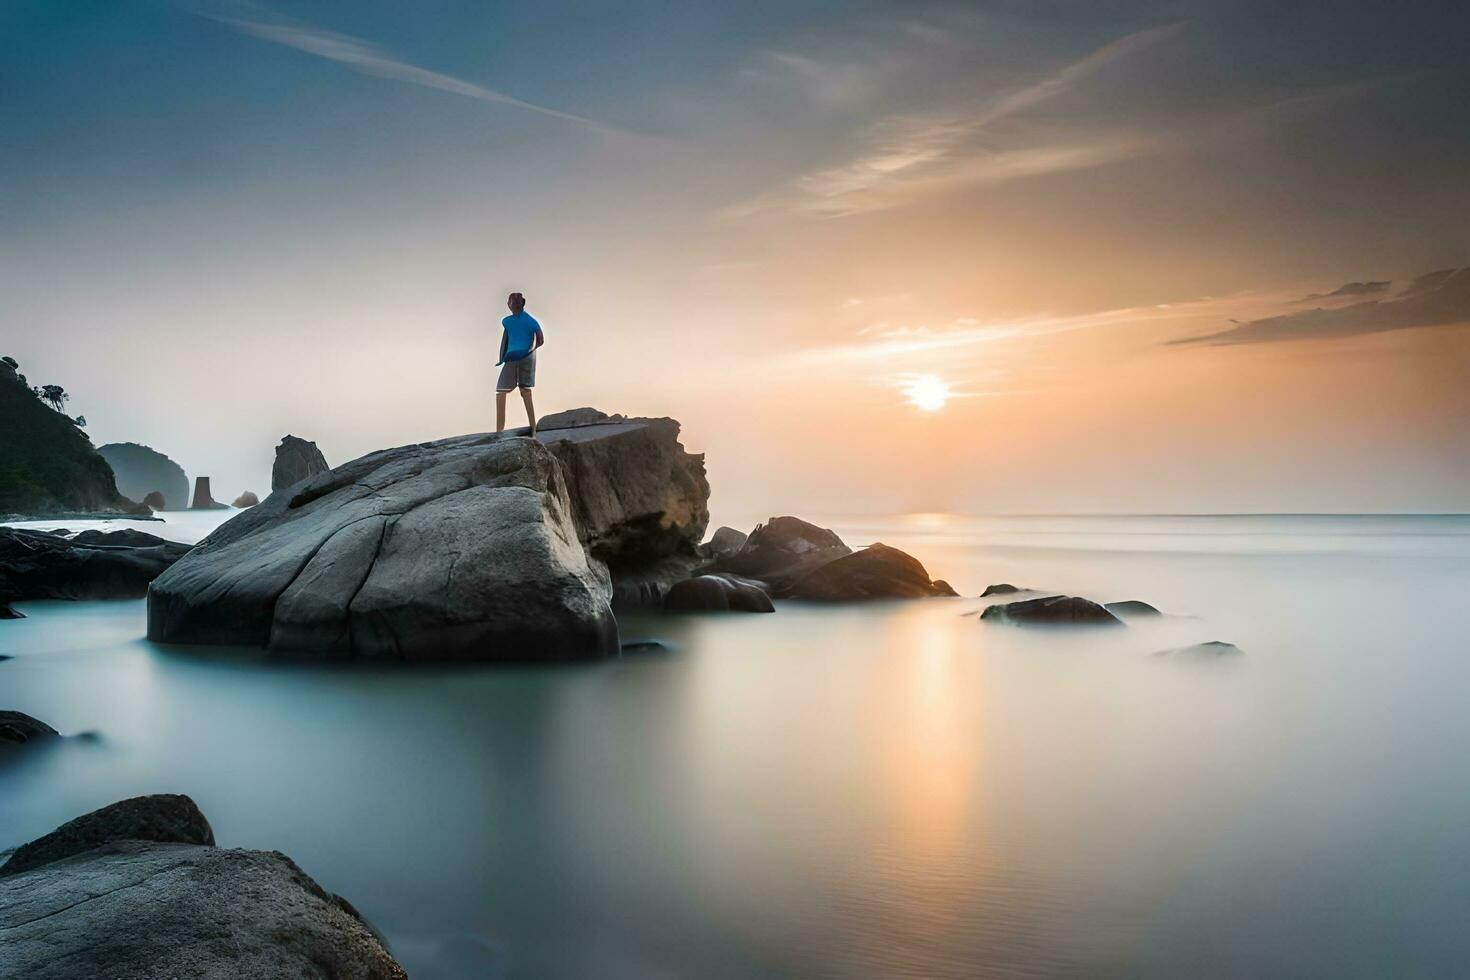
x: 639, y: 497
x: 17, y: 728
x: 165, y: 818
x: 296, y: 460
x: 725, y: 542
x: 141, y: 892
x: 142, y: 471
x: 92, y: 565
x: 876, y: 572
x: 155, y: 501
x: 718, y: 593
x: 246, y: 499
x: 478, y: 547
x: 1052, y: 610
x: 782, y: 551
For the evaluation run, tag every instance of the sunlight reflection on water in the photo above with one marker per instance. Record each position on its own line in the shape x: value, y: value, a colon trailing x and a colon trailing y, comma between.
x: 896, y: 789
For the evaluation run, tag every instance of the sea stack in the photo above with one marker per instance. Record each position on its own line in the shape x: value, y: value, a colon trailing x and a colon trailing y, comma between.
x: 202, y: 498
x: 296, y: 460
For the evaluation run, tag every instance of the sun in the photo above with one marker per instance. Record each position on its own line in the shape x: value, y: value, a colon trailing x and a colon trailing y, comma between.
x: 927, y: 393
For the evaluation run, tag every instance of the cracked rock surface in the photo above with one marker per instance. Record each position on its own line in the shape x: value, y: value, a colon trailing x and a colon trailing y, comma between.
x: 478, y: 547
x: 130, y: 910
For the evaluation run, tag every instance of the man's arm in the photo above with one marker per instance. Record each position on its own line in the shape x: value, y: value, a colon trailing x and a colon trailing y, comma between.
x: 540, y: 338
x: 504, y: 339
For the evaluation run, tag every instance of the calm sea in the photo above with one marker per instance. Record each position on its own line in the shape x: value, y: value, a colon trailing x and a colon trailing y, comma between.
x: 891, y: 790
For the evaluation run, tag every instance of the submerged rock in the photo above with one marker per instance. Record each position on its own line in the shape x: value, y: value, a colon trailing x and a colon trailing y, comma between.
x: 164, y: 818
x: 876, y: 572
x: 781, y: 551
x: 1131, y: 607
x: 645, y: 646
x: 246, y: 499
x: 1001, y: 588
x: 92, y: 565
x: 479, y: 547
x: 17, y: 728
x: 9, y: 612
x: 1052, y: 609
x: 719, y: 593
x: 143, y: 473
x: 1203, y: 651
x: 296, y: 460
x: 137, y: 889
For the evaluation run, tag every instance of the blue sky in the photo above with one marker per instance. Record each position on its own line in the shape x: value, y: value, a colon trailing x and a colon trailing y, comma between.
x: 221, y: 221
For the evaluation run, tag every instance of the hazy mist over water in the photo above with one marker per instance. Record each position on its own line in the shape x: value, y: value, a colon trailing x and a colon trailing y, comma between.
x: 893, y: 789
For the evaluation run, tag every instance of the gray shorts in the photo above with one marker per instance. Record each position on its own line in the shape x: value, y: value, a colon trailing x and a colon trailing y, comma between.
x: 518, y: 374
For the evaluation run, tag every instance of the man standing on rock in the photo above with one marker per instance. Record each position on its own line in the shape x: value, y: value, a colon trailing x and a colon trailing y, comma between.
x: 517, y: 359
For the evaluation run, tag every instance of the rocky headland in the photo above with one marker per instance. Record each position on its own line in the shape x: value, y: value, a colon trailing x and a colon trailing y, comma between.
x: 142, y: 472
x: 48, y: 466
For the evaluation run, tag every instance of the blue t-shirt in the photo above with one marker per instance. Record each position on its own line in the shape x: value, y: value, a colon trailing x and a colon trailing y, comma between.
x: 521, y: 329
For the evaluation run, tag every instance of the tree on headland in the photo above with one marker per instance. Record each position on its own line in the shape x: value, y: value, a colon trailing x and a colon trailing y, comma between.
x: 54, y: 395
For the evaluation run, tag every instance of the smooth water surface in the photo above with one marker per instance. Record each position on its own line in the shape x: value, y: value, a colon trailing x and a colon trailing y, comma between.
x: 890, y: 790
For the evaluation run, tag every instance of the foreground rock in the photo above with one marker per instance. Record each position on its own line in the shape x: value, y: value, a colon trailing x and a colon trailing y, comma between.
x: 479, y: 547
x: 203, y: 499
x: 876, y: 572
x: 718, y: 593
x: 1202, y: 651
x: 246, y: 499
x: 96, y: 899
x: 1052, y: 610
x: 9, y: 612
x: 163, y: 818
x: 142, y: 472
x: 17, y: 728
x: 296, y: 460
x: 92, y: 565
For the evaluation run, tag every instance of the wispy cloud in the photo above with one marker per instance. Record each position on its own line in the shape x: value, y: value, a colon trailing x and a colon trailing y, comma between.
x: 906, y: 156
x: 1434, y: 300
x: 370, y: 59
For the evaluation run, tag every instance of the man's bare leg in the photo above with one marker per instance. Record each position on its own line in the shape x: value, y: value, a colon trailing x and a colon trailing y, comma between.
x: 500, y: 410
x: 530, y: 410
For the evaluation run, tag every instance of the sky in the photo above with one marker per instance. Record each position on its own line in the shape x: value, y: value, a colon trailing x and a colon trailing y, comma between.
x: 1023, y: 256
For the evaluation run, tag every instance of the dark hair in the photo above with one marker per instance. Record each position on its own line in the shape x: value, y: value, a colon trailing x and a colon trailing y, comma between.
x: 517, y: 297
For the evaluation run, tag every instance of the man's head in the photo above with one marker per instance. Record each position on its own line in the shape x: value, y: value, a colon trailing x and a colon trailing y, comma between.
x: 516, y: 302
